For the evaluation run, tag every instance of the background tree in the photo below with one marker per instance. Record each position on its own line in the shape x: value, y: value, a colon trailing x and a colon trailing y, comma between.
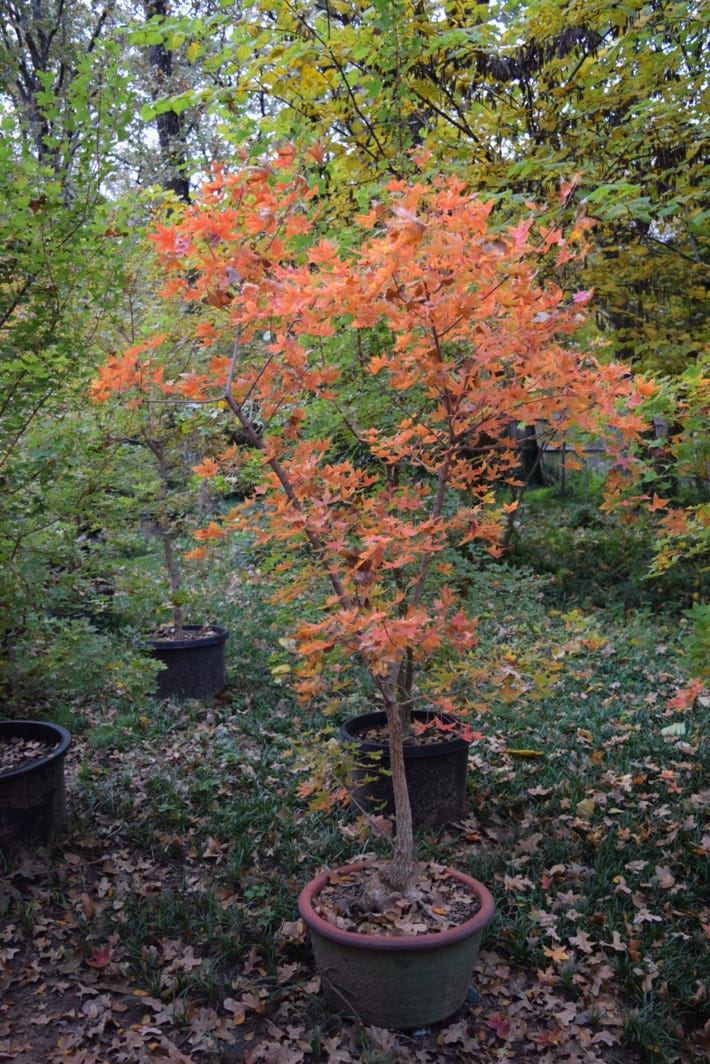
x: 515, y: 98
x: 178, y: 61
x: 63, y: 110
x: 50, y: 78
x: 169, y: 122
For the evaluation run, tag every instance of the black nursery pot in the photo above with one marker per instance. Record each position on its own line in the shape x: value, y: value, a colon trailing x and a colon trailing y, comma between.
x: 436, y: 773
x: 194, y: 668
x: 33, y: 796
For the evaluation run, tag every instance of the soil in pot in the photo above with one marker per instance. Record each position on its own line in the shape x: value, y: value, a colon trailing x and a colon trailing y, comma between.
x: 436, y: 767
x: 194, y: 665
x: 394, y: 960
x: 32, y: 788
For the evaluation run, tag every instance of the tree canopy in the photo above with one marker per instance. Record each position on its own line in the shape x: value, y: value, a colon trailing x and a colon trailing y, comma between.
x: 515, y: 98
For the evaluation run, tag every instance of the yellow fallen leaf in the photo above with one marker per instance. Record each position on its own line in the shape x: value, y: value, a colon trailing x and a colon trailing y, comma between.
x: 585, y: 809
x: 526, y: 753
x: 556, y: 953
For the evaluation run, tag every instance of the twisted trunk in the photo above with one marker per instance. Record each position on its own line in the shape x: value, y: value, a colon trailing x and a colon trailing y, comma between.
x: 401, y: 869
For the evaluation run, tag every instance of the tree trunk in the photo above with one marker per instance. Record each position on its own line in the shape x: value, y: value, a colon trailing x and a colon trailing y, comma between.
x: 401, y: 870
x: 166, y: 536
x: 530, y: 457
x: 171, y: 136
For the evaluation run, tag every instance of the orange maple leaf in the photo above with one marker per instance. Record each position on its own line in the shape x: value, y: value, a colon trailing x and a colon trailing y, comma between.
x: 206, y: 468
x: 212, y: 531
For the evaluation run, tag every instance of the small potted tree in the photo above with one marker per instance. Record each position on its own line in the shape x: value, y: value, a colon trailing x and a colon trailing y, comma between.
x: 440, y: 324
x: 192, y: 655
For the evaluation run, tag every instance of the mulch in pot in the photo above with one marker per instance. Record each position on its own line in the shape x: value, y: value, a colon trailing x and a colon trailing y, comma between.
x: 18, y: 752
x: 363, y: 903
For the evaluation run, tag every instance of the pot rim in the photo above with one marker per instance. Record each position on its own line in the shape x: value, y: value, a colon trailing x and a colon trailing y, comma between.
x: 10, y: 727
x: 448, y: 743
x: 390, y: 943
x: 219, y: 635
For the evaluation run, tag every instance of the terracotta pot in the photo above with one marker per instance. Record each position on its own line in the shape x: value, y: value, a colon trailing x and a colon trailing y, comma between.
x: 33, y: 796
x: 401, y: 982
x: 436, y: 773
x: 194, y: 668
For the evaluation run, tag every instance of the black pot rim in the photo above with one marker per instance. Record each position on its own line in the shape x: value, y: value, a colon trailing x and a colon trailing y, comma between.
x: 350, y: 729
x: 219, y: 635
x: 34, y: 728
x: 395, y: 943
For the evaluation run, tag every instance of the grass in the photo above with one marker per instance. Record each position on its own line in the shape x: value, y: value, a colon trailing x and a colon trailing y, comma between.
x: 190, y: 842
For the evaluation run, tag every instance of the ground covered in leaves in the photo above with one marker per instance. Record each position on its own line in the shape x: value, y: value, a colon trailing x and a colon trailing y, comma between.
x: 162, y: 926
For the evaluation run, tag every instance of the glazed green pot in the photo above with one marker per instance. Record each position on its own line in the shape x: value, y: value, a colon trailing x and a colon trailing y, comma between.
x: 400, y: 982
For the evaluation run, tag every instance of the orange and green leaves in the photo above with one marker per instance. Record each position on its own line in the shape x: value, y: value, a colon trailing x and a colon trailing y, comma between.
x: 442, y: 312
x: 516, y: 98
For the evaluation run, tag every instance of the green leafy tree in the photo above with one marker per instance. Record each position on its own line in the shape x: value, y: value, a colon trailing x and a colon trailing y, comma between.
x: 516, y: 98
x: 63, y: 109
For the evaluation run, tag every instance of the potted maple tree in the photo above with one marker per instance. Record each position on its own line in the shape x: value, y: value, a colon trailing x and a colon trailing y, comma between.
x: 192, y: 655
x: 429, y: 331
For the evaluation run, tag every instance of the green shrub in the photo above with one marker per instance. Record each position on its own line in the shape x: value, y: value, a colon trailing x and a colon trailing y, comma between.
x: 697, y: 646
x: 68, y: 658
x: 592, y: 558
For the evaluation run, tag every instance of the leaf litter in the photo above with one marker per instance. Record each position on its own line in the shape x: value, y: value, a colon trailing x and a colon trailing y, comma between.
x: 362, y: 902
x: 586, y: 894
x: 18, y: 752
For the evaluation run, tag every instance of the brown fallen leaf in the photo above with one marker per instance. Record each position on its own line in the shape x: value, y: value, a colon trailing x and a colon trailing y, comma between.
x: 664, y: 877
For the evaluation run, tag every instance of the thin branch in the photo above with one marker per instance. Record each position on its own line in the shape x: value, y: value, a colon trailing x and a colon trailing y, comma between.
x: 256, y: 440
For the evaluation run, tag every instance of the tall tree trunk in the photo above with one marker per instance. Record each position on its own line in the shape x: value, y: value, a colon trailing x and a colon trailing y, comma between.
x: 171, y: 135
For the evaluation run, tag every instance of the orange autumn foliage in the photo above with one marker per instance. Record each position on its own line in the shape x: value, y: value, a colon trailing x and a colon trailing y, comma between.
x: 455, y: 330
x: 470, y: 342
